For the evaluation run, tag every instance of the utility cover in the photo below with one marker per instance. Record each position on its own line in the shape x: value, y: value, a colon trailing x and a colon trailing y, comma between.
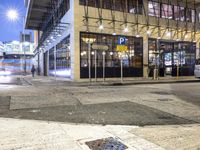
x: 106, y: 144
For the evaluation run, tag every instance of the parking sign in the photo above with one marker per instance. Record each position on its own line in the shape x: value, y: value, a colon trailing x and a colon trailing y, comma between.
x: 122, y: 40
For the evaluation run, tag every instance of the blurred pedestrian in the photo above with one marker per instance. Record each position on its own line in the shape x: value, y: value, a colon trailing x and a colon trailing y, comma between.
x: 33, y: 70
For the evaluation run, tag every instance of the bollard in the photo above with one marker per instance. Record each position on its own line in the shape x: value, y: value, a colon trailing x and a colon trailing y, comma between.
x: 155, y: 74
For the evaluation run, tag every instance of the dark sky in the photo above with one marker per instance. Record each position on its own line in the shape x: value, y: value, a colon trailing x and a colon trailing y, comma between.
x: 10, y: 30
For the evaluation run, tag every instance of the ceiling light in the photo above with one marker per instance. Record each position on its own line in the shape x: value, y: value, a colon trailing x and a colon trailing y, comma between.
x: 148, y: 32
x: 168, y: 33
x: 126, y: 29
x: 101, y: 27
x: 114, y: 33
x: 137, y: 35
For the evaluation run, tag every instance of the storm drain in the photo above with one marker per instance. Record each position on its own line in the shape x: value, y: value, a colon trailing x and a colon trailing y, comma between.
x: 106, y: 144
x: 165, y: 99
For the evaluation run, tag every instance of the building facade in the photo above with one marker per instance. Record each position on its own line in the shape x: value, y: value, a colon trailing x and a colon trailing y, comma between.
x: 17, y: 57
x: 159, y: 34
x: 1, y: 49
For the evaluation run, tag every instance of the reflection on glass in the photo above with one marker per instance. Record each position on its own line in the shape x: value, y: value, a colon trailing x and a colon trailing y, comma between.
x: 168, y: 59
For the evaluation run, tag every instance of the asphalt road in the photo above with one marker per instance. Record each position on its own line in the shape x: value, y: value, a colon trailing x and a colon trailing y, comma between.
x: 162, y: 104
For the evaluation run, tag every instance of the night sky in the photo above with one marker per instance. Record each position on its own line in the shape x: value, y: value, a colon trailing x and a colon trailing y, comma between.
x: 10, y: 30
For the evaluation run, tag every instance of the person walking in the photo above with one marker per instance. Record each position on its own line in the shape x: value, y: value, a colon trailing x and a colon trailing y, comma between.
x: 33, y: 70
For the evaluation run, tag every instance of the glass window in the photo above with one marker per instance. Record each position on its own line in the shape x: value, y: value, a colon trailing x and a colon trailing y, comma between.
x: 197, y: 62
x: 135, y: 6
x: 88, y: 2
x: 176, y: 13
x: 132, y: 59
x: 106, y: 4
x: 188, y: 15
x: 63, y: 59
x: 182, y: 13
x: 131, y: 6
x: 167, y: 11
x: 152, y: 50
x: 198, y: 16
x: 154, y: 9
x: 193, y: 15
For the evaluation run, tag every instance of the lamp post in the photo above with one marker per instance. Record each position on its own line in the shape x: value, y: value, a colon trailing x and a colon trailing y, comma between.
x: 13, y: 16
x: 23, y: 45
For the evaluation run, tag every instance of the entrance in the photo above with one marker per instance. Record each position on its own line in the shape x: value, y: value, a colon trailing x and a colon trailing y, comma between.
x: 166, y: 58
x: 174, y: 58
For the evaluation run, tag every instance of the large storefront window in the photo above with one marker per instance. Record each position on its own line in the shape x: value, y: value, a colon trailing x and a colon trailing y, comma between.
x: 132, y: 62
x: 63, y: 59
x: 170, y: 55
x: 131, y: 6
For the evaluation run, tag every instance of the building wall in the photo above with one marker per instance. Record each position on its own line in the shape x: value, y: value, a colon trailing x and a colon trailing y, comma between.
x: 106, y: 14
x: 75, y: 18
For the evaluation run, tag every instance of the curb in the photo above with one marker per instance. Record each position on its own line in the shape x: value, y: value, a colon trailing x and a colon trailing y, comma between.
x: 152, y: 82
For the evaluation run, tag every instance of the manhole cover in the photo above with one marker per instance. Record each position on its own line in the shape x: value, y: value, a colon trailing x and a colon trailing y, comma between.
x: 106, y: 144
x: 165, y: 99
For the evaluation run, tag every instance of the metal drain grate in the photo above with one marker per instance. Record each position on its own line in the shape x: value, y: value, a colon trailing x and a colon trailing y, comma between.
x: 106, y: 144
x: 165, y: 99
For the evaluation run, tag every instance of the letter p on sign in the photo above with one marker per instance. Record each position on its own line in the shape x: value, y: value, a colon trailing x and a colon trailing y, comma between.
x: 121, y: 40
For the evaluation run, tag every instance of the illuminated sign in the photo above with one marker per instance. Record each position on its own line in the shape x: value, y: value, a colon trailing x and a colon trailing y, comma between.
x: 100, y: 47
x: 121, y: 40
x: 122, y: 48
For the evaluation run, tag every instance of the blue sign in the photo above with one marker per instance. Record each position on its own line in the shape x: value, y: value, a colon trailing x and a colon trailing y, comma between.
x: 121, y: 41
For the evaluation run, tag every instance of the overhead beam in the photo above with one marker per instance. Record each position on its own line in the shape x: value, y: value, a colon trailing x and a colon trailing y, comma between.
x: 38, y: 21
x: 39, y: 8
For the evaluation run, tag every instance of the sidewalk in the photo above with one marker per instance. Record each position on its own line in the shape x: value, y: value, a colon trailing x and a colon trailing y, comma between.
x: 34, y: 135
x: 27, y: 134
x: 110, y: 81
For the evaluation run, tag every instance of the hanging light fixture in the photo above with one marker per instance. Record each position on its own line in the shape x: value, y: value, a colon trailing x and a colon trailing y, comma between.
x: 126, y: 29
x: 137, y: 35
x: 101, y: 27
x: 148, y: 32
x: 168, y: 33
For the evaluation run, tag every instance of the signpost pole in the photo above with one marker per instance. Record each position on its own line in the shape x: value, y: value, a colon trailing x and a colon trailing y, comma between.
x: 122, y: 48
x: 55, y: 67
x: 121, y: 69
x: 177, y: 74
x: 89, y: 62
x: 103, y: 49
x: 95, y: 57
x: 104, y: 54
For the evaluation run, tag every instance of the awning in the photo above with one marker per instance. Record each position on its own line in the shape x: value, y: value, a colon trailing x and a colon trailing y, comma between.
x: 36, y: 12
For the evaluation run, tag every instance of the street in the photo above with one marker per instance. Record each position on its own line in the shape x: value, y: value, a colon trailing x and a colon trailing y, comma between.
x: 150, y: 107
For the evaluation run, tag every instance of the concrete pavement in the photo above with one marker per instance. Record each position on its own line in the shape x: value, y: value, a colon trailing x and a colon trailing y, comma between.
x: 35, y: 135
x: 44, y: 114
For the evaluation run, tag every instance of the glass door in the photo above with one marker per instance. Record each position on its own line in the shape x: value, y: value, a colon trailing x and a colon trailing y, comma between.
x: 166, y: 57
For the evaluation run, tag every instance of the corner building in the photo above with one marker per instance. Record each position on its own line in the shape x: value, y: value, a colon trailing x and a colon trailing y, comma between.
x: 161, y: 34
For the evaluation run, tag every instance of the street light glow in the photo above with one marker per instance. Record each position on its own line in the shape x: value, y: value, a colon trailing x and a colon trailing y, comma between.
x: 12, y: 14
